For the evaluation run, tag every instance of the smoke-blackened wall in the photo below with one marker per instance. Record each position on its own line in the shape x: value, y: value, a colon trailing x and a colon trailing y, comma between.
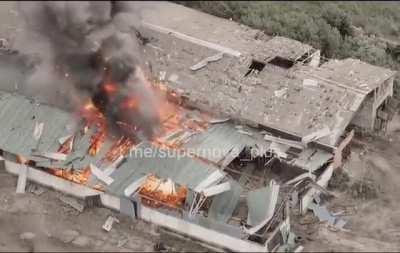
x: 82, y: 45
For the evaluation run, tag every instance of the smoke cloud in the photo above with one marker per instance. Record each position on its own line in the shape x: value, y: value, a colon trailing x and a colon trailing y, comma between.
x: 80, y: 47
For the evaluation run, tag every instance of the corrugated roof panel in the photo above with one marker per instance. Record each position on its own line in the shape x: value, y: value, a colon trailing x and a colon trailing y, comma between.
x: 224, y: 204
x: 217, y: 141
x: 181, y: 170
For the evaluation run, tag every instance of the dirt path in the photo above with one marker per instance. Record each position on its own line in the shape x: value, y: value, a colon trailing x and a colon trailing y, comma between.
x: 374, y: 224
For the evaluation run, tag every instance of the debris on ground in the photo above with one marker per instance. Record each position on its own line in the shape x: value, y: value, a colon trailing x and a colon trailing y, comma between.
x: 21, y: 183
x: 81, y: 241
x: 27, y: 236
x: 339, y: 180
x: 72, y: 202
x: 68, y: 236
x: 122, y: 242
x: 335, y: 222
x: 109, y: 223
x: 160, y: 247
x: 35, y: 189
x: 364, y: 189
x: 205, y: 61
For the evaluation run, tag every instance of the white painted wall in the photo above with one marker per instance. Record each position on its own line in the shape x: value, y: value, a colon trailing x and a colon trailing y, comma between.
x: 151, y: 215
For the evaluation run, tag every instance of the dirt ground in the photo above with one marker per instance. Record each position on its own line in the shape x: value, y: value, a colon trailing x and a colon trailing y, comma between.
x: 37, y: 223
x: 373, y: 223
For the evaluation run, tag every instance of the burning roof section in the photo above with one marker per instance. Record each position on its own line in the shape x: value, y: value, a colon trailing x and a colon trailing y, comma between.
x: 178, y: 181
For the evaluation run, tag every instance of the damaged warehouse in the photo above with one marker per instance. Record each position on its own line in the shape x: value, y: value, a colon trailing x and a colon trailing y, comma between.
x: 251, y: 136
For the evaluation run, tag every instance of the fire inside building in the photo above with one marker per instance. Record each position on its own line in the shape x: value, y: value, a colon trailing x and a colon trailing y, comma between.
x: 248, y: 130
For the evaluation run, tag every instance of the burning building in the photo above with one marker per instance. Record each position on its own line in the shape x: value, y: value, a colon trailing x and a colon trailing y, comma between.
x: 209, y: 135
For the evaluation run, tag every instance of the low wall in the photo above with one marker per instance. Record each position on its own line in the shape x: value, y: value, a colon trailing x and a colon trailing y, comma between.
x: 151, y: 215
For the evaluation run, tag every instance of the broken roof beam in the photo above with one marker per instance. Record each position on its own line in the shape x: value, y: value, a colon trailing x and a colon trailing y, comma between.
x: 282, y: 141
x: 261, y: 203
x: 134, y: 186
x: 212, y: 179
x: 193, y: 40
x: 316, y: 135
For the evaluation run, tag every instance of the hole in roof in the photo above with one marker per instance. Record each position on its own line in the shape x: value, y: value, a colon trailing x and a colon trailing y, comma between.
x: 255, y: 66
x: 281, y: 62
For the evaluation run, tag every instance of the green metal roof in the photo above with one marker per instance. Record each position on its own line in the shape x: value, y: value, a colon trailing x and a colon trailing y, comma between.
x: 184, y: 170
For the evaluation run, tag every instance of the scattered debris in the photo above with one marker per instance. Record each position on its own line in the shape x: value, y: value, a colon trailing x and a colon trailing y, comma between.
x: 21, y: 183
x: 27, y: 236
x: 36, y: 189
x: 173, y: 78
x: 316, y: 135
x: 109, y: 223
x: 299, y: 249
x: 93, y: 201
x: 122, y: 242
x: 364, y: 189
x: 310, y: 83
x: 322, y: 213
x: 160, y: 247
x: 244, y: 132
x: 339, y: 181
x: 73, y: 202
x: 217, y: 120
x: 281, y: 92
x: 68, y: 236
x: 205, y: 61
x: 51, y: 155
x: 81, y: 241
x: 62, y: 140
x: 162, y: 75
x: 100, y: 175
x: 301, y: 177
x: 37, y: 132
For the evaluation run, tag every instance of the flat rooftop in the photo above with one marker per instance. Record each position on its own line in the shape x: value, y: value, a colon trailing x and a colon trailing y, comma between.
x: 274, y: 97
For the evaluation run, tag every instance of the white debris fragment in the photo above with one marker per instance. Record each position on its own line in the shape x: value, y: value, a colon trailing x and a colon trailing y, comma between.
x: 217, y: 120
x: 316, y: 135
x: 217, y: 189
x: 100, y: 175
x: 205, y: 61
x: 162, y: 75
x: 52, y: 155
x: 21, y: 183
x: 310, y: 83
x: 114, y: 165
x: 279, y: 149
x: 62, y: 140
x: 281, y: 92
x: 27, y: 236
x: 173, y: 78
x: 244, y: 132
x: 36, y: 189
x: 109, y: 223
x: 4, y: 44
x: 37, y: 132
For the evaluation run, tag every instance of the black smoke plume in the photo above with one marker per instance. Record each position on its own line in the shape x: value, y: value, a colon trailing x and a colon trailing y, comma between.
x: 82, y: 46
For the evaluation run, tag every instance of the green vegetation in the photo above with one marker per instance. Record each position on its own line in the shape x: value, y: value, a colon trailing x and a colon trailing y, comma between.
x: 340, y: 29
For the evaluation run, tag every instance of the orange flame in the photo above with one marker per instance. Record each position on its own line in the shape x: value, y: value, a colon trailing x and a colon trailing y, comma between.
x: 155, y: 194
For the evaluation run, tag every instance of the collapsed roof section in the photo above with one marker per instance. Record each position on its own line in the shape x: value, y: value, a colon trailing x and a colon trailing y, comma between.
x: 224, y: 166
x: 299, y: 106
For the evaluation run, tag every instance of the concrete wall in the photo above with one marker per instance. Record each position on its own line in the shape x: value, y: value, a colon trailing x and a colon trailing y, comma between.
x: 363, y: 118
x: 148, y: 214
